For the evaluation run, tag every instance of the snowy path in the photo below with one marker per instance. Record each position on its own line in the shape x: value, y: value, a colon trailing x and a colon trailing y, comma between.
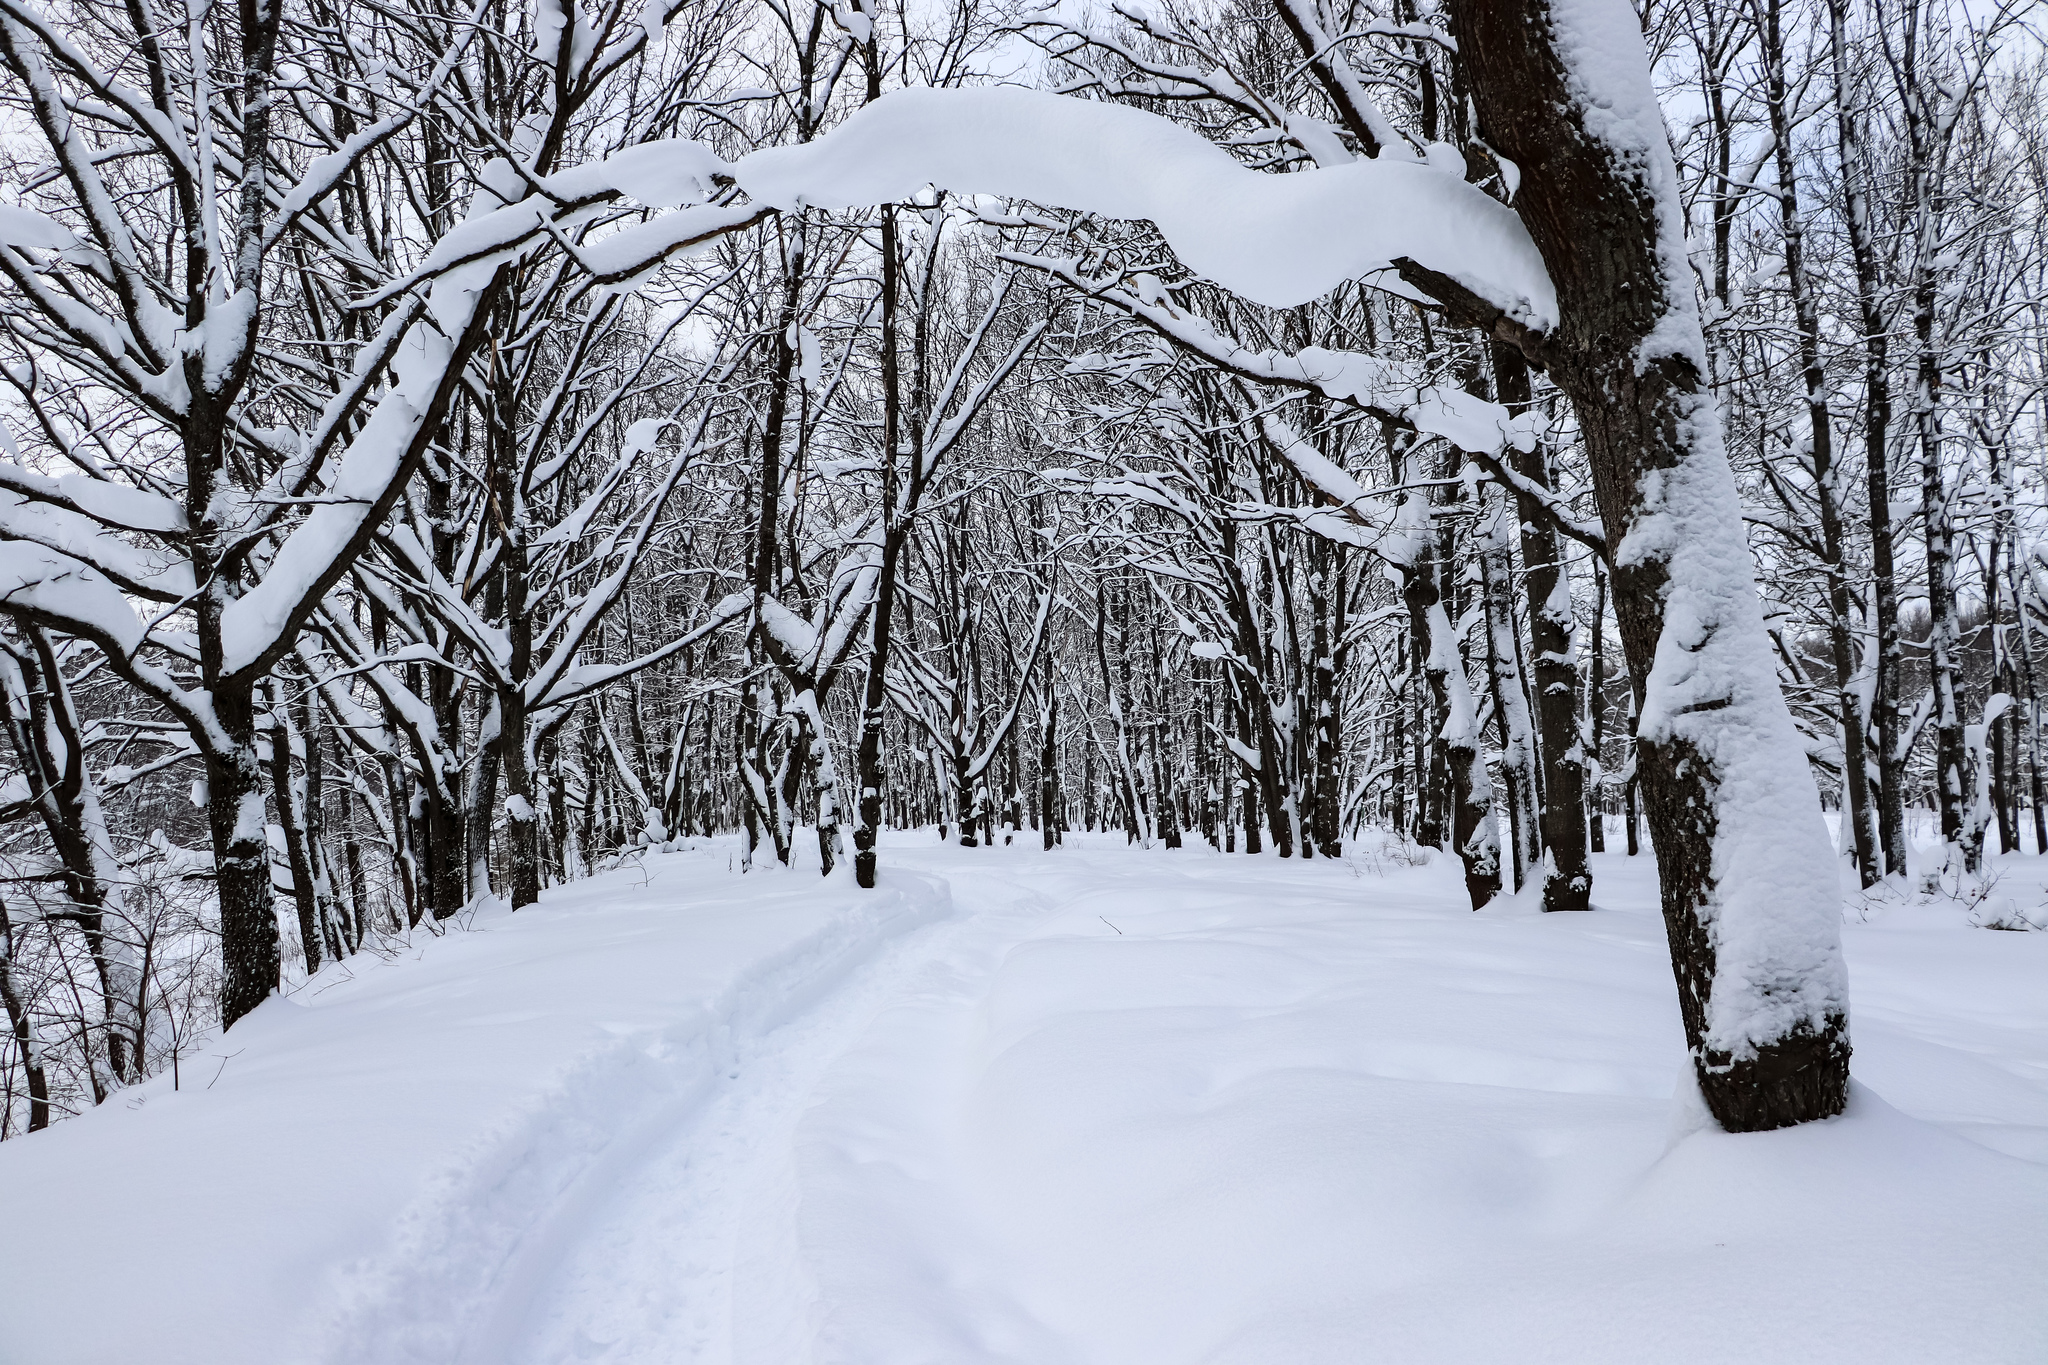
x: 649, y: 1263
x: 1102, y: 1107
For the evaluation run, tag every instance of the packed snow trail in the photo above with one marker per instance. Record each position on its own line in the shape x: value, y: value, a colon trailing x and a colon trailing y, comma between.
x: 646, y: 1263
x: 1102, y: 1106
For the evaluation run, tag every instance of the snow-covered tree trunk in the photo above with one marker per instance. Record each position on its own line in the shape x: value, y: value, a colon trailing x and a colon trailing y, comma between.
x: 869, y: 770
x: 1567, y: 878
x: 342, y: 930
x: 1327, y: 589
x: 1049, y: 812
x: 1457, y: 798
x: 234, y: 819
x: 1563, y: 89
x: 286, y: 798
x: 1473, y: 834
x: 515, y: 737
x: 479, y: 790
x: 1495, y: 561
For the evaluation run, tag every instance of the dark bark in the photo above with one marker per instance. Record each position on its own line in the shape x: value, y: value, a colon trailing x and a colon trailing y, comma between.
x: 1328, y: 588
x: 1049, y: 760
x: 1469, y: 795
x: 1397, y: 740
x: 1568, y: 879
x: 337, y: 925
x: 1596, y: 691
x: 507, y: 509
x: 1597, y: 217
x: 234, y: 818
x: 1247, y: 774
x: 1629, y: 813
x: 558, y: 808
x: 1505, y: 683
x: 870, y: 773
x: 291, y: 821
x: 1460, y: 796
x: 23, y: 1028
x: 358, y: 887
x: 778, y: 785
x: 440, y: 827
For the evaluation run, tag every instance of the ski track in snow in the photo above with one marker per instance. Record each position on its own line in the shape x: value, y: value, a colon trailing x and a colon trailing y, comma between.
x: 472, y: 1255
x: 638, y: 1264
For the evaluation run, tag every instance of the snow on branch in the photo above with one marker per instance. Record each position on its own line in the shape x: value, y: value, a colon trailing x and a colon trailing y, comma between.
x: 1278, y: 240
x: 1385, y: 388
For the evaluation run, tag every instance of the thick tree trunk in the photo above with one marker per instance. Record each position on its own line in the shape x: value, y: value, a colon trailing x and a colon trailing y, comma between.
x: 1563, y: 89
x: 777, y: 787
x: 441, y: 828
x: 522, y: 818
x: 510, y: 750
x: 2005, y: 730
x: 234, y: 818
x: 1629, y: 812
x: 1944, y: 632
x: 358, y: 888
x: 2033, y: 711
x: 824, y: 781
x: 441, y: 840
x: 561, y: 862
x: 480, y: 801
x: 1426, y: 728
x: 1246, y: 754
x: 1397, y: 740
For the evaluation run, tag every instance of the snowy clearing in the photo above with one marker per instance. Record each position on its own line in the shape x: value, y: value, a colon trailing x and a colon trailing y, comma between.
x: 1098, y: 1105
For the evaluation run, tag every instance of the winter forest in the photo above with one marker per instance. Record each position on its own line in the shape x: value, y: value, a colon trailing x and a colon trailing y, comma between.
x: 717, y: 514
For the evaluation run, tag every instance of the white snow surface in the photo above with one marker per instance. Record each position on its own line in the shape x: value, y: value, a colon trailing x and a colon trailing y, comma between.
x: 1098, y: 1105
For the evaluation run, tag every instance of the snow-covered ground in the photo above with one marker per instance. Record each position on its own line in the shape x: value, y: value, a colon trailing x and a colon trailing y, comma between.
x: 1102, y: 1106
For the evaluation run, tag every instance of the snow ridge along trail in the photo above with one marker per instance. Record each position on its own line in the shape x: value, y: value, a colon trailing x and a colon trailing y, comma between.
x: 1101, y: 1106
